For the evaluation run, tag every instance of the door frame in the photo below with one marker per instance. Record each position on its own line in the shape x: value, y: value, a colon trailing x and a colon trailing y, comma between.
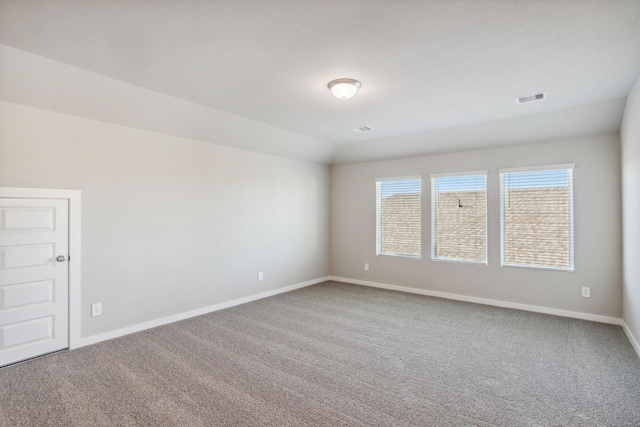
x: 74, y: 197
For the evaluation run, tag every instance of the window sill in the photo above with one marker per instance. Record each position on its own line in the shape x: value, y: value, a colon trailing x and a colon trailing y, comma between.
x: 460, y: 261
x: 539, y: 267
x: 402, y: 256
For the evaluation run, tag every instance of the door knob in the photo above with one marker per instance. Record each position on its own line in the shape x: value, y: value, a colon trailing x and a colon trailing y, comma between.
x: 61, y: 258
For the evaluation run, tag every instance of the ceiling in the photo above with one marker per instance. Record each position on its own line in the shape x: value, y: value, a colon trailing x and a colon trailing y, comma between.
x: 436, y: 76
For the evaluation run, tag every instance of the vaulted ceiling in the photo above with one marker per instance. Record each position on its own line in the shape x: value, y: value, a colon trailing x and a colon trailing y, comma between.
x: 436, y: 76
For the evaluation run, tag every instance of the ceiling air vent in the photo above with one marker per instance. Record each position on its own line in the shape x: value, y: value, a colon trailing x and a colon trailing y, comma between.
x: 362, y: 129
x: 531, y: 98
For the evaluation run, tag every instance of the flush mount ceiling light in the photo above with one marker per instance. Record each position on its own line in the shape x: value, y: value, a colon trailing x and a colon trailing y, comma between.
x: 344, y: 88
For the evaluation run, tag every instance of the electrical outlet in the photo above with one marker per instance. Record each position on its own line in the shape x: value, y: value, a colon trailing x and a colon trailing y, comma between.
x: 260, y: 277
x: 586, y: 292
x: 366, y: 266
x: 96, y: 309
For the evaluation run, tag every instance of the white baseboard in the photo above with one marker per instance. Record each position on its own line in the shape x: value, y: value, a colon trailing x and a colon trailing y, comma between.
x: 632, y: 339
x: 485, y: 301
x: 93, y: 339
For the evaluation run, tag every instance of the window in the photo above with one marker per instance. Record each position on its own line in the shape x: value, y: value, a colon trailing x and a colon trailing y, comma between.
x: 398, y: 216
x: 459, y: 217
x: 536, y: 207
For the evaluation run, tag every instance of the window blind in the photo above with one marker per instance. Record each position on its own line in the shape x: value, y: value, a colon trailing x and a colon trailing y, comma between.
x: 537, y: 217
x: 398, y: 216
x: 459, y: 217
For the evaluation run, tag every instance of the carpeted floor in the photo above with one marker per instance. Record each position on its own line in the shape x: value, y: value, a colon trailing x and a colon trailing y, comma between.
x: 336, y: 354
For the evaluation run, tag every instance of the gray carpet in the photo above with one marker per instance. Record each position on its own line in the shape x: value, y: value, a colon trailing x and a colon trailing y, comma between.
x: 336, y: 354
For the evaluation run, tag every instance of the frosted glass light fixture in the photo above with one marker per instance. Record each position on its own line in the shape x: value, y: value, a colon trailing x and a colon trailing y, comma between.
x: 344, y: 88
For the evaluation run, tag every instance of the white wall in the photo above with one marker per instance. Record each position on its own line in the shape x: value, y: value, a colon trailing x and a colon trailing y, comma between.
x: 170, y: 224
x: 630, y: 143
x: 29, y: 79
x: 597, y: 228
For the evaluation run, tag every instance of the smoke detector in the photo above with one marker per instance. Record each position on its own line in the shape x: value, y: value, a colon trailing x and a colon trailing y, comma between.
x: 531, y: 98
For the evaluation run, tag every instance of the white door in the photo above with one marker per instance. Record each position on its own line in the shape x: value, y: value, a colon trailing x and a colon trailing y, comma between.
x: 34, y: 274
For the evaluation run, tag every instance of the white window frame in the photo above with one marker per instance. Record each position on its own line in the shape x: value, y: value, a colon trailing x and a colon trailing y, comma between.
x: 560, y: 166
x: 379, y: 223
x: 434, y: 213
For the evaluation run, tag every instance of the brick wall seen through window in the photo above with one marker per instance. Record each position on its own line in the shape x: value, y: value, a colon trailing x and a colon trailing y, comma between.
x: 398, y: 216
